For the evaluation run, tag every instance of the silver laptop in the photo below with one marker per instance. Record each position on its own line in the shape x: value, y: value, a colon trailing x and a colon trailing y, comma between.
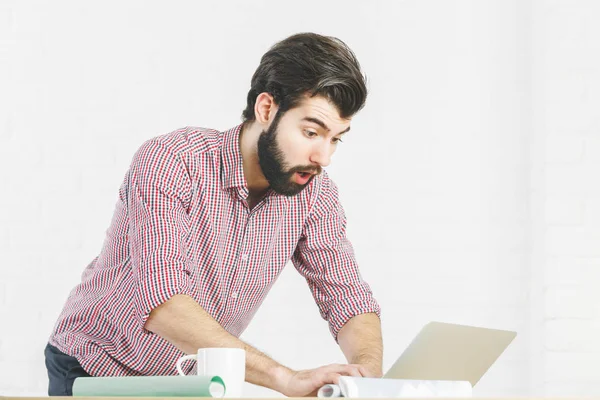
x: 450, y: 352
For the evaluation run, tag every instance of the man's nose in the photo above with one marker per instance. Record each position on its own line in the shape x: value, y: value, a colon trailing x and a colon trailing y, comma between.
x: 321, y: 155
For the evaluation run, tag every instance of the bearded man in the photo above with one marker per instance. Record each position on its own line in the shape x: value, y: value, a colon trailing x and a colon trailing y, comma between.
x: 206, y: 221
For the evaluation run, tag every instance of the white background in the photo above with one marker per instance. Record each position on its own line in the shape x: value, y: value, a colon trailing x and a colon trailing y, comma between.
x: 470, y: 180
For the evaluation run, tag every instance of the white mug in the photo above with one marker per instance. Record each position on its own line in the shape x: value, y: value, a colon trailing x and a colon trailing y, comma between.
x: 227, y: 363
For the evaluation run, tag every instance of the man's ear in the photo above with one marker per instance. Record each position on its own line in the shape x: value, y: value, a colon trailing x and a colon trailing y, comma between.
x: 265, y: 109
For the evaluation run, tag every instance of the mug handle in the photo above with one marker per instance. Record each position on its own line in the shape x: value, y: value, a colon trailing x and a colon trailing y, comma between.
x: 182, y: 359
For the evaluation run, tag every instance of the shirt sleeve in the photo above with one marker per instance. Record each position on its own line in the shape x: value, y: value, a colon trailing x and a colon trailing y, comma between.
x: 325, y: 257
x: 158, y: 193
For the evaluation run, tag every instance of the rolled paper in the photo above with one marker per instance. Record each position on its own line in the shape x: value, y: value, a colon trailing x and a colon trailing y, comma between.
x: 370, y: 388
x: 150, y: 386
x: 330, y: 390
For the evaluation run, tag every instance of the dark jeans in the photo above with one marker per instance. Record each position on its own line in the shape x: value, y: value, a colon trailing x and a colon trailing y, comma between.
x: 62, y: 371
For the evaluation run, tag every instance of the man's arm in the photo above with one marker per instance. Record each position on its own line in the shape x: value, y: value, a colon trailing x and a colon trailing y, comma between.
x: 325, y: 257
x: 186, y: 325
x: 361, y: 343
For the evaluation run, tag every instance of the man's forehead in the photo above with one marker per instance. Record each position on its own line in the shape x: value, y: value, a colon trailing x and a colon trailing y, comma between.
x: 322, y: 112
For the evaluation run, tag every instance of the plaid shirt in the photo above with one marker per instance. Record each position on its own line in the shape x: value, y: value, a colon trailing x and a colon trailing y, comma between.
x: 182, y: 226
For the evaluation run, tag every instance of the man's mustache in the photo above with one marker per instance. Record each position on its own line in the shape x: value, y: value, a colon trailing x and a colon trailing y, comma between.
x: 311, y: 169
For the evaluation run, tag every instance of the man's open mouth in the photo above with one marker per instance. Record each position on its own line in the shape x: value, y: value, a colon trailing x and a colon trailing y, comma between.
x: 302, y: 177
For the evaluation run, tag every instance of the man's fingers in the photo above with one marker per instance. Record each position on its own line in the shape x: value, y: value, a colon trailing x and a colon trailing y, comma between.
x: 363, y: 370
x: 354, y: 371
x: 332, y: 377
x: 344, y: 369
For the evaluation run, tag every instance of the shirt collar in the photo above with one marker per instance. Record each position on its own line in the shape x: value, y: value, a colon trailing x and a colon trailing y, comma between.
x: 232, y: 166
x: 231, y: 159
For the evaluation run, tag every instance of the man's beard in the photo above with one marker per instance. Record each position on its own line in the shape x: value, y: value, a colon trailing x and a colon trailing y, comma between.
x: 271, y: 160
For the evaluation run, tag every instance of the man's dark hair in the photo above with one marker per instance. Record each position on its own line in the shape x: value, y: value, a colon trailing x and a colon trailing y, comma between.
x: 309, y: 64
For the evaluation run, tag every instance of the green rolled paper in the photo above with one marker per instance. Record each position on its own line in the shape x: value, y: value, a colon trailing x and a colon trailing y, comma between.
x: 150, y: 386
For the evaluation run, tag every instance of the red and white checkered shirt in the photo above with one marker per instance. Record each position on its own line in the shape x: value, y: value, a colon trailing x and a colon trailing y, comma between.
x: 182, y: 226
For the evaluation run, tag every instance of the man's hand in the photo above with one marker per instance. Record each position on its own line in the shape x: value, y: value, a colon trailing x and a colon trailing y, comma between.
x: 371, y: 371
x: 308, y: 382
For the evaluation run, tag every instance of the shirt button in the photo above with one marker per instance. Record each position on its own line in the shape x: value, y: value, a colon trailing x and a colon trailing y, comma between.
x: 244, y: 257
x: 234, y: 295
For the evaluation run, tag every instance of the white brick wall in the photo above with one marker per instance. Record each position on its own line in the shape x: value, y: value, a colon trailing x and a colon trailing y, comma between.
x: 567, y: 65
x: 471, y: 183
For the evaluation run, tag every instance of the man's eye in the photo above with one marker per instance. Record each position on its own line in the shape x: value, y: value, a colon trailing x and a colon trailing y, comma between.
x: 310, y: 133
x: 337, y: 140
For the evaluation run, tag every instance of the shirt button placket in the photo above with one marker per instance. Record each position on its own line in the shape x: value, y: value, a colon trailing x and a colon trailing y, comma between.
x: 241, y: 270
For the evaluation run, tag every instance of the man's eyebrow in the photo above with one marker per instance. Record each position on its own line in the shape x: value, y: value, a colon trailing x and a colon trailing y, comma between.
x: 322, y: 124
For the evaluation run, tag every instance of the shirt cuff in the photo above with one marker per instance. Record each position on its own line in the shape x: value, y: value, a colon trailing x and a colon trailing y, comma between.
x: 343, y: 310
x: 154, y: 291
